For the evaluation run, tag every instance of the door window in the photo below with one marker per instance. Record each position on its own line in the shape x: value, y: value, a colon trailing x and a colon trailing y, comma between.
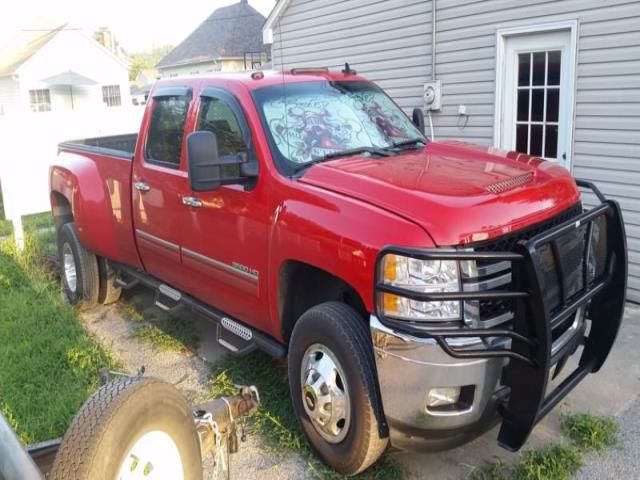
x: 538, y: 103
x: 166, y: 129
x: 217, y: 117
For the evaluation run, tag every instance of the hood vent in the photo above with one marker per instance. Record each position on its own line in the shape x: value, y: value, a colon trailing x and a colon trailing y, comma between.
x: 510, y: 183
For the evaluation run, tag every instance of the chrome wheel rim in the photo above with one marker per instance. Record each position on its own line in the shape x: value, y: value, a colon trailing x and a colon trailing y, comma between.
x: 69, y: 264
x: 154, y: 456
x: 325, y: 394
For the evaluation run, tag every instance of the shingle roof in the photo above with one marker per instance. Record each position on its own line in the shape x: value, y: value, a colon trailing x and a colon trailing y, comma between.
x: 23, y: 47
x: 228, y: 32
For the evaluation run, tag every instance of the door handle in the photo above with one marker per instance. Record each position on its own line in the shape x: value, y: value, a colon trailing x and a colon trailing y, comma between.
x: 192, y: 202
x: 142, y: 187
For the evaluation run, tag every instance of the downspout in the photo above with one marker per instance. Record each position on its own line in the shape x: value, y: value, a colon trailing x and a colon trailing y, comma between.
x: 434, y: 22
x: 434, y: 9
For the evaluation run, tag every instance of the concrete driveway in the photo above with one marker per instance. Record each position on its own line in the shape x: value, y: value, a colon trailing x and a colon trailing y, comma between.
x: 611, y: 392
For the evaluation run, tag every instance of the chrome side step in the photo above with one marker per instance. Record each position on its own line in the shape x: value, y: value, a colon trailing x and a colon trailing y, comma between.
x: 234, y: 336
x: 167, y: 298
x: 231, y: 334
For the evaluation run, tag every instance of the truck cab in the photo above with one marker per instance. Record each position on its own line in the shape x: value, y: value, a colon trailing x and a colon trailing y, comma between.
x: 421, y: 291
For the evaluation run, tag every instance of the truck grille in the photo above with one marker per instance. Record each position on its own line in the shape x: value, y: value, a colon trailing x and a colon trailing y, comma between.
x: 485, y: 276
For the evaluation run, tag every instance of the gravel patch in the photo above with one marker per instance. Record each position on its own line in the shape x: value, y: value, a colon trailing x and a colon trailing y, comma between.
x: 622, y: 461
x: 189, y: 373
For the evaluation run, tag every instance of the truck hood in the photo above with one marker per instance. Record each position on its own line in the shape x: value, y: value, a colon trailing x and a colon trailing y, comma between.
x: 459, y: 193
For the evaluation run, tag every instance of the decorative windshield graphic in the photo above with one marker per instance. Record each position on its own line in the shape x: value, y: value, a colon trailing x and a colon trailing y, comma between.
x: 310, y: 125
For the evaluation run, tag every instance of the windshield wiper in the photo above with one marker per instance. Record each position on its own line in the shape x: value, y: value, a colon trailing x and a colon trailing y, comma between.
x: 345, y: 153
x: 406, y: 143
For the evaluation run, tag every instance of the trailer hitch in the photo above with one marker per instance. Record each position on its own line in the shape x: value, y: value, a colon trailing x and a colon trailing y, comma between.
x: 217, y: 423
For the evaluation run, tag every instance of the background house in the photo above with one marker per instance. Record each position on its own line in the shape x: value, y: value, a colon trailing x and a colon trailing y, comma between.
x: 58, y: 69
x: 230, y: 39
x: 560, y: 79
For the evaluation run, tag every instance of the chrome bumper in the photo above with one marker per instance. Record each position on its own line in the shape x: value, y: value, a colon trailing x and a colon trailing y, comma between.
x: 409, y: 367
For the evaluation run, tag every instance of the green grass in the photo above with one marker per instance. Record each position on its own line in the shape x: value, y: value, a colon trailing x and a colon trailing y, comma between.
x: 6, y: 228
x: 48, y: 362
x: 556, y: 461
x: 31, y: 223
x: 37, y: 221
x: 2, y: 214
x: 590, y: 432
x: 169, y: 334
x: 275, y: 420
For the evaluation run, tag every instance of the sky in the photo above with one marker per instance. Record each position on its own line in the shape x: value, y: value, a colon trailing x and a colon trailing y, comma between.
x: 138, y: 24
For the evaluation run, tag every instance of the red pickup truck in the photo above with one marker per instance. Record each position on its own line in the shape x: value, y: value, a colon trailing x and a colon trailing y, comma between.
x: 422, y: 291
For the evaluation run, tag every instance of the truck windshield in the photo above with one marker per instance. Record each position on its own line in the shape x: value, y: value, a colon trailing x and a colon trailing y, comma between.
x: 308, y: 121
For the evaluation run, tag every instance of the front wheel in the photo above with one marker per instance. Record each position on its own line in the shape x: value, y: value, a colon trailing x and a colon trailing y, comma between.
x: 333, y: 385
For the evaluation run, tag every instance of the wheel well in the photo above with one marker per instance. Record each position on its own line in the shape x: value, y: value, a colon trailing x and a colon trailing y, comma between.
x: 303, y: 286
x: 61, y: 209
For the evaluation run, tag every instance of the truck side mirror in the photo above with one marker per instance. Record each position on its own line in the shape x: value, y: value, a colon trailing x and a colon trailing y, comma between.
x: 208, y: 170
x: 418, y: 119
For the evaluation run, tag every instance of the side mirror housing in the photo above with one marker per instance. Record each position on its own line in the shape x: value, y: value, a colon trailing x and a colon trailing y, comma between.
x: 208, y: 170
x: 418, y: 119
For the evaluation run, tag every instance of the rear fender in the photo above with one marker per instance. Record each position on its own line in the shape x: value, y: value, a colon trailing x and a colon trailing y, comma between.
x: 100, y: 207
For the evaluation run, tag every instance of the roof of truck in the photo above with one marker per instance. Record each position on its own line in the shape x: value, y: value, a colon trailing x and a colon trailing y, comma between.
x: 254, y: 80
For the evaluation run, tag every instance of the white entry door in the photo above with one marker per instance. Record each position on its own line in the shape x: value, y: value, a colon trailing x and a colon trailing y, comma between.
x: 537, y: 95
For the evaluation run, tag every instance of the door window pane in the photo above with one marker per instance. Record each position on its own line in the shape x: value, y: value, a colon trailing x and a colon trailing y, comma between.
x: 553, y: 73
x: 523, y: 105
x: 539, y: 61
x: 524, y: 69
x: 166, y: 129
x: 553, y: 104
x: 217, y: 117
x: 522, y: 138
x: 551, y: 141
x: 537, y: 105
x: 535, y: 146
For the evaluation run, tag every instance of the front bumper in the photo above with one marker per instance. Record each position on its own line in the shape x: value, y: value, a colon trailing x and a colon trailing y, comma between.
x: 571, y: 276
x: 409, y: 367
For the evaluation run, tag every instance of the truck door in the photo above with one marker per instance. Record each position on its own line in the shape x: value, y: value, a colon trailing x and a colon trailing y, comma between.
x: 225, y: 231
x: 159, y: 184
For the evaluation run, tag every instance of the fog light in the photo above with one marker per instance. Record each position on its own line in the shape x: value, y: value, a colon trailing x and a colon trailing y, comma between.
x: 443, y: 396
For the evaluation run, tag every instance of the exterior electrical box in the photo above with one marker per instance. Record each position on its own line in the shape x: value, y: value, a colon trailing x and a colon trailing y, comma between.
x: 433, y: 95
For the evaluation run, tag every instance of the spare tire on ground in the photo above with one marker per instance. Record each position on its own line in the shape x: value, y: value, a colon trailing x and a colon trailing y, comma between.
x: 138, y: 427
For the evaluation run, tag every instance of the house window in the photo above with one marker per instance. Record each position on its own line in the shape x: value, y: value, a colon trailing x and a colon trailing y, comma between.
x: 111, y: 95
x: 40, y: 100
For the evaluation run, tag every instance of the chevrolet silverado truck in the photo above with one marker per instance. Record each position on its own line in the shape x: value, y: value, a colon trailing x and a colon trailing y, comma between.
x: 422, y: 292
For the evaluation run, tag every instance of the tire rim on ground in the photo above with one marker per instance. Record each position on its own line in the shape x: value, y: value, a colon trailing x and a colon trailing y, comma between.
x: 154, y: 456
x: 69, y: 265
x: 325, y: 394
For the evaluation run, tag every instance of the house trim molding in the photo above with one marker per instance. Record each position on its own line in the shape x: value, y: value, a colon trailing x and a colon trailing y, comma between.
x: 502, y: 35
x: 274, y: 16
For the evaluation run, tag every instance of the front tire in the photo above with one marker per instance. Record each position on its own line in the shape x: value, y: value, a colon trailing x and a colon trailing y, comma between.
x: 334, y: 388
x: 79, y: 268
x: 130, y: 429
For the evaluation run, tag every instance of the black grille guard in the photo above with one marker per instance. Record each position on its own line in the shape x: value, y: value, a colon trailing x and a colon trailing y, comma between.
x: 526, y: 376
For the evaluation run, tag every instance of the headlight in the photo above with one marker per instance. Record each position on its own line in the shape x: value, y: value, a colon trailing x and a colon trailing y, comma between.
x: 426, y: 276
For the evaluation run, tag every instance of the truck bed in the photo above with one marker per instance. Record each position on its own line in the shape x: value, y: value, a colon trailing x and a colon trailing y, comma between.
x: 115, y: 145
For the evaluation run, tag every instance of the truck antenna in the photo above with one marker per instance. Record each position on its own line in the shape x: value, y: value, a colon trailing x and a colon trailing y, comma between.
x: 348, y: 70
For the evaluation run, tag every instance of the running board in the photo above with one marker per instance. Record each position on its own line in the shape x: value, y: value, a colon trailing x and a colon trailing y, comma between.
x: 235, y: 336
